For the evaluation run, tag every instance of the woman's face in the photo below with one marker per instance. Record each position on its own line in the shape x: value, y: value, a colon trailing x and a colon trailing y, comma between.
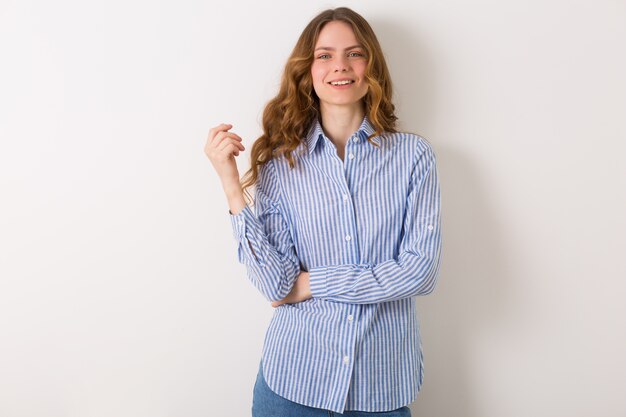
x: 338, y: 56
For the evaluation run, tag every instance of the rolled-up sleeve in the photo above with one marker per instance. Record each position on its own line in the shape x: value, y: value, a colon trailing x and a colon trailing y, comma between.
x: 264, y: 242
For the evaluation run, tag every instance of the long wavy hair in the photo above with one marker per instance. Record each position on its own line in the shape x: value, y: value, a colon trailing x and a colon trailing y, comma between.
x: 288, y: 116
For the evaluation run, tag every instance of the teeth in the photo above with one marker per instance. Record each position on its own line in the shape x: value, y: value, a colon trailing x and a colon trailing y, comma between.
x: 342, y: 82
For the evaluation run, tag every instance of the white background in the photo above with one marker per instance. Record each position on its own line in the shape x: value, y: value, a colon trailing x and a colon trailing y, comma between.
x: 120, y: 293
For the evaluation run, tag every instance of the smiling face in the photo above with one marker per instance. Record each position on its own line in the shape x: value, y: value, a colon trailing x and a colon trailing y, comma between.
x: 339, y: 65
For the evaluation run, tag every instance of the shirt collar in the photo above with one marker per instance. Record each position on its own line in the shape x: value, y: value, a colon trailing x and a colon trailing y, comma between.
x: 316, y: 132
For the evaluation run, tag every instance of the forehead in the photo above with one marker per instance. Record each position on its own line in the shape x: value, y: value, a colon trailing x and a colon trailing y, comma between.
x: 336, y: 32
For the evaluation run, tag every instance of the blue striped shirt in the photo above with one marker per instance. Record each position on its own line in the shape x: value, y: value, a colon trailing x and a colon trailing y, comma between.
x: 368, y: 230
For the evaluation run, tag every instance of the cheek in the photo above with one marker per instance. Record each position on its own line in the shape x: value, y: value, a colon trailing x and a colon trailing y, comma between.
x: 360, y: 69
x: 317, y: 74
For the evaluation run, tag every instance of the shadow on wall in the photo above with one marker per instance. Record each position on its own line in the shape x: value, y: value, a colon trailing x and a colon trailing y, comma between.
x: 473, y: 293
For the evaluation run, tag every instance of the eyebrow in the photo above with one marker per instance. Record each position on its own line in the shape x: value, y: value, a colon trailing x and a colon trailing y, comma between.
x: 328, y: 48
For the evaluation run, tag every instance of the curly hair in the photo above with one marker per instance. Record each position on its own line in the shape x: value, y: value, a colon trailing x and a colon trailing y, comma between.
x: 288, y: 116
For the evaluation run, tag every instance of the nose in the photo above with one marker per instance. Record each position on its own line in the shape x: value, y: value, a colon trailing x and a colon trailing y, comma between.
x: 341, y: 63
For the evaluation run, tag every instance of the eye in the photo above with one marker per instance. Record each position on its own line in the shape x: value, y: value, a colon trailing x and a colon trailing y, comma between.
x: 355, y: 53
x: 323, y: 55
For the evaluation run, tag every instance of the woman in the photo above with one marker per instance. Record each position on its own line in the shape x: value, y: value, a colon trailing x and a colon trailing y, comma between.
x: 346, y: 230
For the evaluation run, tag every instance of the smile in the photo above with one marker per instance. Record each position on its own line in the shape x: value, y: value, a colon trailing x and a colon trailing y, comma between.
x: 342, y: 82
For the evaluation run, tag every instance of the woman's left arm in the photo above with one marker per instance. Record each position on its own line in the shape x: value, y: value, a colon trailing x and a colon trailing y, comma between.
x: 416, y: 269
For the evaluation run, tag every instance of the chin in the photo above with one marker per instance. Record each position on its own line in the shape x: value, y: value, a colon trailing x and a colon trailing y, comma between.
x: 344, y: 102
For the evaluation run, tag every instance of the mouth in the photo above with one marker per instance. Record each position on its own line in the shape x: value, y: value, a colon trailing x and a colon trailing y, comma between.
x: 339, y: 83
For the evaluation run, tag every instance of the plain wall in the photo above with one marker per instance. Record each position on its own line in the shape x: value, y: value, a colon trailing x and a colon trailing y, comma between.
x: 120, y: 292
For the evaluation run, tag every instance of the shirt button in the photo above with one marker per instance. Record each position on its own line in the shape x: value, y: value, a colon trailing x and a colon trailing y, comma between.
x: 240, y: 221
x: 346, y: 359
x: 430, y: 227
x: 355, y: 139
x: 350, y: 317
x: 351, y: 156
x: 345, y: 197
x: 348, y: 237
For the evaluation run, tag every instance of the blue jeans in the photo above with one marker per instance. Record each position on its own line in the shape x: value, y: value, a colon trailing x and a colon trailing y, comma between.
x: 266, y: 403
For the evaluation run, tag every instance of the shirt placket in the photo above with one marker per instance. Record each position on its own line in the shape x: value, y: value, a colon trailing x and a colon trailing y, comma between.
x: 346, y: 168
x: 352, y: 312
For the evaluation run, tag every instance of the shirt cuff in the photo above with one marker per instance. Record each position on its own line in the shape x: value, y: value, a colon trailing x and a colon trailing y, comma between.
x: 317, y: 281
x: 238, y: 221
x: 323, y: 287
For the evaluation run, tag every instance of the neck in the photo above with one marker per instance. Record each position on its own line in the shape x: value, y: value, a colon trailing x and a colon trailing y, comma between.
x: 340, y: 122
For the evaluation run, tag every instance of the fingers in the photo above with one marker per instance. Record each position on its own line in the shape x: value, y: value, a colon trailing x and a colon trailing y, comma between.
x: 224, y: 134
x: 220, y: 131
x: 219, y: 136
x: 230, y: 148
x: 223, y: 143
x: 222, y: 126
x: 285, y: 300
x: 224, y: 138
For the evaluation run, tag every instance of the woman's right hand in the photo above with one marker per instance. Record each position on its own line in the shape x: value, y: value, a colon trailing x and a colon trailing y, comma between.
x: 221, y: 148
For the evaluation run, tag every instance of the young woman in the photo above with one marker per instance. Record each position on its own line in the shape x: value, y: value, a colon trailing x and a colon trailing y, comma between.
x: 346, y: 230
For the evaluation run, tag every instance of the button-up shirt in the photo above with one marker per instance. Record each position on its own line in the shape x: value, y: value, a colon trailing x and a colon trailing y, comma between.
x: 367, y: 228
